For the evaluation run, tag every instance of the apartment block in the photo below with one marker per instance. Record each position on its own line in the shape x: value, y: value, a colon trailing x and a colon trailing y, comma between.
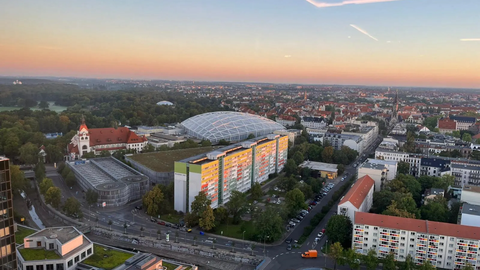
x: 378, y: 172
x: 470, y: 215
x: 445, y: 245
x: 412, y: 159
x: 358, y: 199
x: 8, y: 260
x: 466, y: 174
x: 235, y: 167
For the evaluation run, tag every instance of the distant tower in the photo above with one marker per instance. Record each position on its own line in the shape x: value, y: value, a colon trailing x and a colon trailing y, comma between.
x: 395, y: 108
x: 305, y: 96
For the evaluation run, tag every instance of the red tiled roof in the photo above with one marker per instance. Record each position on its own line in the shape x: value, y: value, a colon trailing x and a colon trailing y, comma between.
x: 417, y: 225
x: 447, y: 124
x: 357, y: 194
x: 99, y: 136
x: 73, y: 149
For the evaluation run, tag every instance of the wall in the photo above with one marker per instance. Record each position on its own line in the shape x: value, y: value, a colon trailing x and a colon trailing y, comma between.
x: 470, y: 197
x: 72, y: 244
x: 180, y: 187
x: 376, y: 175
x: 163, y: 178
x: 470, y: 220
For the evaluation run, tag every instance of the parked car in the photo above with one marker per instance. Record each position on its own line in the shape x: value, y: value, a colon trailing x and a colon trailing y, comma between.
x: 289, y: 247
x: 320, y: 234
x: 152, y: 219
x: 288, y: 241
x: 138, y: 207
x: 161, y: 223
x: 168, y: 225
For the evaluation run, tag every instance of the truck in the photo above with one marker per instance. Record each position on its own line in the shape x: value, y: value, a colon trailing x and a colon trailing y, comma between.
x: 309, y: 254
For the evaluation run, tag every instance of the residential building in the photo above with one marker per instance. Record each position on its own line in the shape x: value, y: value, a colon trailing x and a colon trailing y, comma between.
x: 291, y: 133
x: 378, y: 172
x: 389, y: 143
x: 446, y: 125
x: 313, y: 122
x: 463, y: 122
x: 235, y: 167
x: 63, y: 247
x: 325, y: 170
x: 8, y: 258
x: 412, y: 159
x: 445, y: 245
x: 434, y: 166
x: 470, y: 215
x: 97, y: 140
x: 358, y: 199
x: 338, y: 140
x: 466, y: 174
x: 286, y: 120
x: 471, y: 195
x: 389, y: 164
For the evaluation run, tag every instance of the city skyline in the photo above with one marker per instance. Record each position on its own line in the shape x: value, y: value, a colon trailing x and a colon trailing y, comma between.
x: 367, y: 42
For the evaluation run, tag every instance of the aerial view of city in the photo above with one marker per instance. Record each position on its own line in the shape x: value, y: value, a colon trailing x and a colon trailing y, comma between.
x: 240, y: 135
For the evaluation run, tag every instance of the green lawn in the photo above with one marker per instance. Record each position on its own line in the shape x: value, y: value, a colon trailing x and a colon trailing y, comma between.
x: 163, y: 161
x: 108, y: 259
x: 32, y: 254
x: 22, y: 233
x: 170, y: 266
x: 172, y: 218
x: 235, y: 230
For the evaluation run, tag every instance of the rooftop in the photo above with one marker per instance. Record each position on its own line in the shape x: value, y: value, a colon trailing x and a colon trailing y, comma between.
x: 62, y: 234
x: 381, y: 161
x: 471, y: 189
x: 374, y: 166
x: 471, y: 209
x: 417, y: 225
x: 356, y: 195
x: 37, y: 254
x: 319, y: 166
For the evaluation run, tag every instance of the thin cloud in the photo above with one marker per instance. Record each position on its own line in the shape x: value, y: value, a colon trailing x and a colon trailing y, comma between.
x: 470, y: 39
x: 363, y: 32
x: 319, y: 4
x: 288, y: 56
x: 50, y: 48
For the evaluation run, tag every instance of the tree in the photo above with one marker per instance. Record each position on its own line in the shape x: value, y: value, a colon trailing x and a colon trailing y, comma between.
x: 207, y: 219
x: 206, y: 143
x: 29, y: 153
x: 371, y: 260
x: 66, y: 170
x: 220, y: 214
x: 256, y: 191
x: 294, y: 201
x: 53, y: 197
x: 389, y: 262
x: 339, y: 229
x: 298, y: 158
x: 394, y: 210
x: 91, y: 196
x: 148, y: 148
x: 199, y: 205
x: 71, y: 206
x: 290, y: 167
x: 352, y: 259
x: 468, y: 267
x: 444, y: 182
x: 54, y: 153
x: 409, y: 146
x: 403, y: 167
x: 336, y: 252
x: 223, y: 142
x: 341, y: 169
x: 409, y: 263
x: 456, y: 134
x: 327, y: 154
x: 105, y: 153
x: 315, y: 183
x: 70, y: 180
x: 236, y: 206
x: 43, y: 105
x: 305, y: 189
x: 153, y: 200
x: 435, y: 210
x: 426, y: 265
x: 268, y: 223
x: 250, y: 136
x: 45, y: 185
x: 454, y: 210
x: 287, y: 183
x: 19, y: 182
x: 39, y: 170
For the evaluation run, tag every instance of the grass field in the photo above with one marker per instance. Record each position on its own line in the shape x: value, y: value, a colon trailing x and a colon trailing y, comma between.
x: 107, y: 259
x: 170, y: 266
x: 52, y: 107
x: 22, y: 233
x: 164, y: 161
x: 31, y: 254
x: 172, y: 218
x: 236, y: 230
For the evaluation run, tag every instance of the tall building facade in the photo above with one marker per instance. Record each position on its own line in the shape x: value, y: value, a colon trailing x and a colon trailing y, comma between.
x: 236, y: 167
x: 8, y: 259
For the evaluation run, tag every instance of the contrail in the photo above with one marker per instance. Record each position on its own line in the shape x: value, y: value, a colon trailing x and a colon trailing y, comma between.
x: 346, y: 2
x: 470, y: 39
x: 363, y: 32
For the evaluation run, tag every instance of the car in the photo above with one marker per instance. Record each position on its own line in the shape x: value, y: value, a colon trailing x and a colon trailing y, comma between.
x: 138, y: 207
x: 296, y: 220
x: 189, y: 230
x: 288, y: 241
x: 229, y: 243
x: 175, y: 226
x: 278, y: 202
x: 299, y: 217
x: 161, y: 223
x: 319, y: 235
x: 168, y: 225
x: 289, y: 247
x: 292, y: 224
x: 152, y: 219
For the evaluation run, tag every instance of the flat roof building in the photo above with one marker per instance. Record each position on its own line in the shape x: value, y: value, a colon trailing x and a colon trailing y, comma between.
x: 326, y: 170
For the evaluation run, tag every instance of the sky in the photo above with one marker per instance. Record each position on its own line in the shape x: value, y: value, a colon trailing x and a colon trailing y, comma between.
x: 431, y: 43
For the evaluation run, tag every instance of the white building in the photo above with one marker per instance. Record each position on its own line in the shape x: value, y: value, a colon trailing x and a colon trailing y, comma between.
x: 412, y: 159
x: 471, y: 195
x: 313, y: 122
x: 358, y: 199
x: 66, y: 248
x: 389, y: 164
x: 470, y: 215
x: 337, y: 140
x: 378, y: 172
x: 445, y: 245
x: 465, y: 174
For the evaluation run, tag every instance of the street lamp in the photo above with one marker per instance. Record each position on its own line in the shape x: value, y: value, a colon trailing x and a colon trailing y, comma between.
x: 244, y: 235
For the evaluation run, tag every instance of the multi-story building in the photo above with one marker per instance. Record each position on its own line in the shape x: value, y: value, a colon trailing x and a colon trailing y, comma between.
x: 470, y: 215
x: 313, y: 122
x: 465, y: 174
x: 358, y: 199
x: 60, y: 248
x: 412, y: 159
x: 445, y: 245
x: 8, y: 258
x: 434, y: 166
x: 286, y: 120
x: 338, y: 140
x: 378, y: 172
x: 471, y: 195
x: 463, y: 122
x: 389, y: 164
x: 235, y: 167
x: 446, y: 125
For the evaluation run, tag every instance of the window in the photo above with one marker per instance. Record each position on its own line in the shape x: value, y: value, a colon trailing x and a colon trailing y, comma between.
x: 29, y: 267
x: 452, y: 239
x: 375, y: 228
x: 402, y: 244
x: 83, y: 255
x: 366, y: 227
x: 450, y: 251
x: 60, y: 266
x: 402, y: 250
x: 51, y: 246
x: 365, y: 245
x: 450, y: 245
x: 442, y: 237
x: 440, y: 256
x: 412, y: 233
x: 39, y: 244
x: 49, y: 267
x: 375, y: 234
x: 366, y: 233
x: 403, y: 238
x: 39, y: 267
x: 412, y: 239
x: 449, y: 257
x: 70, y: 263
x: 411, y: 245
x: 366, y: 238
x: 77, y: 259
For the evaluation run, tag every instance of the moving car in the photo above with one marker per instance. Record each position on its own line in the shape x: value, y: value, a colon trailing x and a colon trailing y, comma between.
x: 310, y: 254
x: 161, y: 223
x: 289, y: 247
x: 288, y: 241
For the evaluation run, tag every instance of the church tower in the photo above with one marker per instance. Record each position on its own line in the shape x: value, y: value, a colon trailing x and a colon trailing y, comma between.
x: 83, y: 139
